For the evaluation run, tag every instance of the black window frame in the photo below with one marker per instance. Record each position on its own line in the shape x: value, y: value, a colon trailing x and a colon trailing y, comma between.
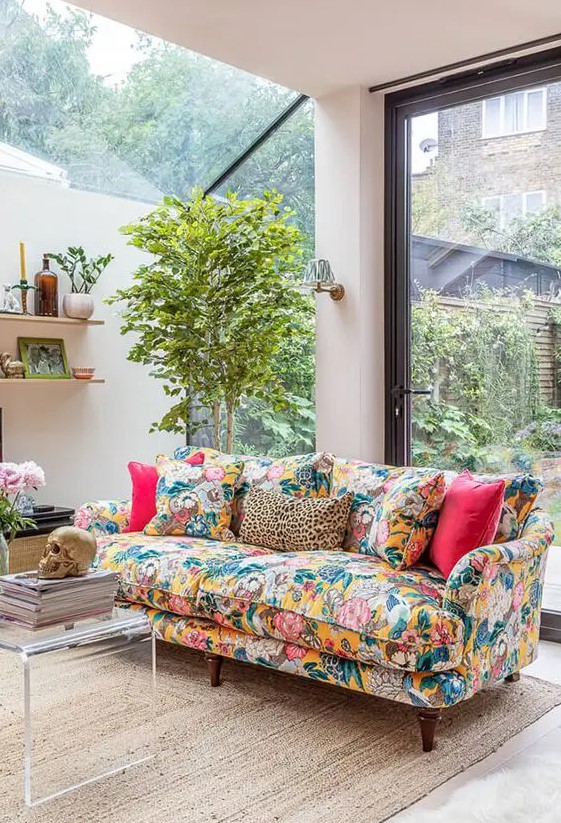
x: 493, y: 80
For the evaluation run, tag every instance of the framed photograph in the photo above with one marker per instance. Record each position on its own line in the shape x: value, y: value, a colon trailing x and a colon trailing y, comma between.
x: 43, y: 358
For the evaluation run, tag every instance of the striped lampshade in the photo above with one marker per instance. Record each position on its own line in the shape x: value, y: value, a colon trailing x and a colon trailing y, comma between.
x: 318, y: 271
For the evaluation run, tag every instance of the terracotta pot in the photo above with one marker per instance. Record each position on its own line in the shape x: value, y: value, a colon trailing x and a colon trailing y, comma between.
x: 78, y: 306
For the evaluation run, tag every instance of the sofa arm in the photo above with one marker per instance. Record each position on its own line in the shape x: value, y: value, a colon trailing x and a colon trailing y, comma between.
x: 497, y: 591
x: 104, y: 516
x: 472, y: 571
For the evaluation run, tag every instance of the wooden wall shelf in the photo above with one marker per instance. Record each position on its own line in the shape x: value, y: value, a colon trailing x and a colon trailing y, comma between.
x: 66, y: 382
x: 31, y: 318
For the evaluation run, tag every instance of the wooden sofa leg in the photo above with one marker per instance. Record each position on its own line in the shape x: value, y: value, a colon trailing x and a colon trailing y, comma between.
x: 214, y: 665
x: 428, y: 720
x: 512, y: 678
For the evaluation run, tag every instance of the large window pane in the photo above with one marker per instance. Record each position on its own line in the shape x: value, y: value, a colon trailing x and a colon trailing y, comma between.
x: 486, y: 297
x: 285, y: 162
x: 117, y: 111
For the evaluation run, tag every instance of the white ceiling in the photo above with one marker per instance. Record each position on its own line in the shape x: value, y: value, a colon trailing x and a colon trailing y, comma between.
x: 316, y: 46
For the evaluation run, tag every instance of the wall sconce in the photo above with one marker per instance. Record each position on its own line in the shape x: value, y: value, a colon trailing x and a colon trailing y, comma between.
x: 319, y: 277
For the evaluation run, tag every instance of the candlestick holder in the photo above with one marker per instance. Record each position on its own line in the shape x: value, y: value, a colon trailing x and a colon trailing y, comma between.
x: 23, y: 287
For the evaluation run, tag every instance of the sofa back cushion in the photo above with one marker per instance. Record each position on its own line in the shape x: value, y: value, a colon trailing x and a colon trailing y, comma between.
x: 301, y: 475
x: 520, y: 497
x: 370, y: 481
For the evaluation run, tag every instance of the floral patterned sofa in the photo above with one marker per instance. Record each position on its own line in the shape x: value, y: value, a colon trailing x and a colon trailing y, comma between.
x: 341, y: 617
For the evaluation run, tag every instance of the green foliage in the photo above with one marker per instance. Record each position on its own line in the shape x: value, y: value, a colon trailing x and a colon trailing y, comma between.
x: 82, y: 273
x: 480, y: 359
x: 260, y: 429
x: 542, y: 434
x: 11, y: 519
x: 537, y: 236
x: 430, y: 212
x: 215, y: 303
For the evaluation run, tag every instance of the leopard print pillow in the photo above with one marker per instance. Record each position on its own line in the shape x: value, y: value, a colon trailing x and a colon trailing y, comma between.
x: 294, y: 524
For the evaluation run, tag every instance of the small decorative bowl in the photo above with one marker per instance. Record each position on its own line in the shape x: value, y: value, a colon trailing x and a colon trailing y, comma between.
x: 82, y: 373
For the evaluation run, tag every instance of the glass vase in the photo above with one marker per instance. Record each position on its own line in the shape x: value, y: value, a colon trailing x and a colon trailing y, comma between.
x: 4, y: 555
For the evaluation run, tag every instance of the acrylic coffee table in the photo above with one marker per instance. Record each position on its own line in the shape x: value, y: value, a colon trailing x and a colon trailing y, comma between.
x: 87, y: 702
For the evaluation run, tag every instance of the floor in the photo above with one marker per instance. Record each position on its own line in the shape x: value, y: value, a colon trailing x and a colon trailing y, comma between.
x: 541, y: 737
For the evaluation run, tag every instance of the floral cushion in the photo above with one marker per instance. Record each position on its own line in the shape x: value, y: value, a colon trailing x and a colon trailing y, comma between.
x: 355, y: 607
x: 406, y: 518
x: 164, y: 572
x: 521, y: 494
x: 344, y: 604
x: 368, y: 482
x: 302, y: 475
x: 194, y: 500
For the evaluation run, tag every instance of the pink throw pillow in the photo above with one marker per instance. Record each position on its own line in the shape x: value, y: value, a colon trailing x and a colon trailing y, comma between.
x: 144, y: 479
x: 468, y: 519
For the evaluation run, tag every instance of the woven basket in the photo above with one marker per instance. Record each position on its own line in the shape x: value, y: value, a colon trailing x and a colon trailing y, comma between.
x: 25, y: 553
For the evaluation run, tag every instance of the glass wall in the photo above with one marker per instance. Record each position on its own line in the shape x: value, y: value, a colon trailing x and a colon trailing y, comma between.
x: 107, y: 108
x: 285, y: 162
x: 90, y: 104
x: 485, y: 291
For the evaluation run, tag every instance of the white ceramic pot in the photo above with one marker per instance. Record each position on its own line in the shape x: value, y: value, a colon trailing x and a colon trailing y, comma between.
x: 78, y: 306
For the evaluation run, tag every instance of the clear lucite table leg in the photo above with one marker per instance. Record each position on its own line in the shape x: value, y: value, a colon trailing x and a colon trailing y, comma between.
x: 88, y: 712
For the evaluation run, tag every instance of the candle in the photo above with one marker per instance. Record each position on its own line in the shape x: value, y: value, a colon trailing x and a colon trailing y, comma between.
x: 23, y: 275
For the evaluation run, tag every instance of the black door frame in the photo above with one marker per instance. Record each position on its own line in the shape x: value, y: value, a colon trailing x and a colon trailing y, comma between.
x: 532, y: 70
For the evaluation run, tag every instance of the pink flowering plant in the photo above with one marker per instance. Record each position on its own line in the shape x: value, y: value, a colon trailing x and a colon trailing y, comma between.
x: 15, y: 479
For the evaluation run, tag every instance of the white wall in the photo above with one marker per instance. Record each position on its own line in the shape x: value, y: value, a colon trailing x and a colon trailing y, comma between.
x: 82, y: 435
x: 349, y: 233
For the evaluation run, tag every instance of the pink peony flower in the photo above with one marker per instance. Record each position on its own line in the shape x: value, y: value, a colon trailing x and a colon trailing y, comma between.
x: 178, y: 604
x: 289, y: 624
x: 214, y: 473
x: 16, y: 478
x: 440, y: 635
x: 11, y: 478
x: 33, y: 475
x: 294, y: 652
x: 354, y: 614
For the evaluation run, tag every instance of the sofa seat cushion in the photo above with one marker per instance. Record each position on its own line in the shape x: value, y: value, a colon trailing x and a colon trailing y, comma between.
x: 350, y: 605
x: 164, y: 572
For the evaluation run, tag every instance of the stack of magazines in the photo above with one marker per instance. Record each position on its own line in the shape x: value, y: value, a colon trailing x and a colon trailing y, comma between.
x: 35, y: 603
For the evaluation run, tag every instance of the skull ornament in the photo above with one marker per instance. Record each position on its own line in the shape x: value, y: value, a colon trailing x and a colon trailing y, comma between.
x: 69, y: 553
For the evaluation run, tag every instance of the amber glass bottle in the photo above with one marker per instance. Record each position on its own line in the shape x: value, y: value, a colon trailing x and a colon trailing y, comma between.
x: 46, y: 291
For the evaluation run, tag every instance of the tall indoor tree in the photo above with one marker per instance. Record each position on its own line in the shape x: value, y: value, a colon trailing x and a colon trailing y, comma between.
x: 214, y: 303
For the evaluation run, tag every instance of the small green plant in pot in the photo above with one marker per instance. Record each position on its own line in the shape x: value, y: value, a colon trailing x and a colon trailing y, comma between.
x: 83, y: 275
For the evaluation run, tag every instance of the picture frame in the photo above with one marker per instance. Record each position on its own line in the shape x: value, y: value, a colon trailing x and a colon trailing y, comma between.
x: 43, y: 358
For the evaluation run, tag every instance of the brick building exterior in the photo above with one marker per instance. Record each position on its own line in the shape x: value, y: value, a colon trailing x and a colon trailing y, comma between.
x: 503, y: 154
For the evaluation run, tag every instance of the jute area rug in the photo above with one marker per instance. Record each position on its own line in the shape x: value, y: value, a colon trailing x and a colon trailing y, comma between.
x: 262, y: 748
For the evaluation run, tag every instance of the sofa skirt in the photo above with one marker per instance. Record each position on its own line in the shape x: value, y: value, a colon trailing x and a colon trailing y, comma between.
x: 436, y: 690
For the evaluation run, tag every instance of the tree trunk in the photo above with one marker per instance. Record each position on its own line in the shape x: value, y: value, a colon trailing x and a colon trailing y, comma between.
x: 229, y: 428
x: 216, y: 425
